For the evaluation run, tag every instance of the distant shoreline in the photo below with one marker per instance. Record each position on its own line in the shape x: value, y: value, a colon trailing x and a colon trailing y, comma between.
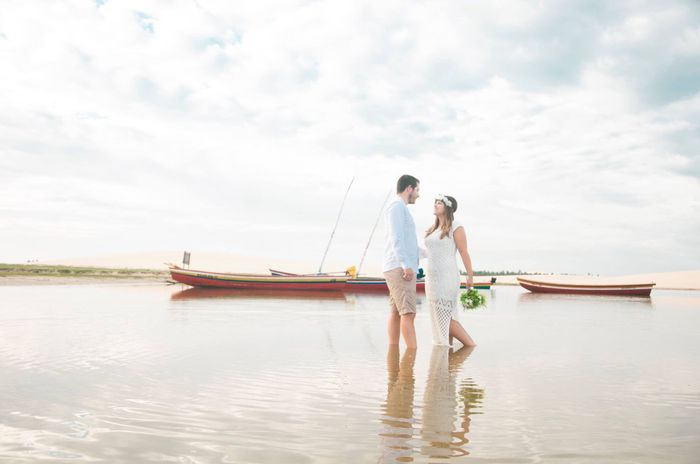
x: 8, y: 281
x: 40, y: 274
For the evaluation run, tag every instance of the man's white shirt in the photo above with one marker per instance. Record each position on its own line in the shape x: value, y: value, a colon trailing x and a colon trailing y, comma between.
x: 401, y: 241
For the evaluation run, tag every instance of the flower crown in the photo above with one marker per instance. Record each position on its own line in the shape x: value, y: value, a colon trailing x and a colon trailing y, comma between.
x: 444, y: 199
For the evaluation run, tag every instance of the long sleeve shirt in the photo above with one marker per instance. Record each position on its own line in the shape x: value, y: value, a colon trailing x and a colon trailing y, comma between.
x: 401, y: 242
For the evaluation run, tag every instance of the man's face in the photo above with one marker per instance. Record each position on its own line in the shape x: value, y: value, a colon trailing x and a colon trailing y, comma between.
x: 414, y: 194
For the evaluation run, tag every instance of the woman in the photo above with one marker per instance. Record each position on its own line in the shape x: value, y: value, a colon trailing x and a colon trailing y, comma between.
x: 442, y: 240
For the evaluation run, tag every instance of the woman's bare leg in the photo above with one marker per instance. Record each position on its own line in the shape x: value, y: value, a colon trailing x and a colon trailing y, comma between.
x: 458, y: 332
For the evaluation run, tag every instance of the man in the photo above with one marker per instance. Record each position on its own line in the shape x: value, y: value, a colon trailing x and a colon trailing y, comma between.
x: 401, y: 262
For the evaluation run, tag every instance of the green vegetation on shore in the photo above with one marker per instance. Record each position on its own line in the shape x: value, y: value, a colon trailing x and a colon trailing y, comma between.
x: 502, y: 273
x: 42, y: 270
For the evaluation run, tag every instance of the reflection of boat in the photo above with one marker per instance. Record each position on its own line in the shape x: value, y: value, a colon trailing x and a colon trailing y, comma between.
x: 257, y: 281
x: 587, y: 289
x: 604, y: 302
x: 192, y: 293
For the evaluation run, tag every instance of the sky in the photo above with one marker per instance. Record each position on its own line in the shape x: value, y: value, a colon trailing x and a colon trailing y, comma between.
x: 568, y: 132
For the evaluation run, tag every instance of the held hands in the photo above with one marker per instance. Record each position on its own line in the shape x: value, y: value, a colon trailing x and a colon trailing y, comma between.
x: 407, y: 274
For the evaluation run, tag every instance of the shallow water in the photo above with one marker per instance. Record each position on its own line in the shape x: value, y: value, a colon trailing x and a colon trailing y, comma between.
x: 125, y: 373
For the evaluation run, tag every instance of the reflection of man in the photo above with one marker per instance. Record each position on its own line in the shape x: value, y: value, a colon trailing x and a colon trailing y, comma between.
x: 398, y: 409
x: 401, y: 262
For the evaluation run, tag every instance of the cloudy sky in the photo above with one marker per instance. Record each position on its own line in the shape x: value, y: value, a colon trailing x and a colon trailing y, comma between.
x: 568, y: 131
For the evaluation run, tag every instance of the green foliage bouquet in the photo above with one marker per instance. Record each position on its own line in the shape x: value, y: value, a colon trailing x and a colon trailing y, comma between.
x: 472, y: 299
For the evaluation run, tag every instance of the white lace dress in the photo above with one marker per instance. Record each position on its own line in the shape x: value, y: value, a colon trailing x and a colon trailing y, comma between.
x: 442, y: 282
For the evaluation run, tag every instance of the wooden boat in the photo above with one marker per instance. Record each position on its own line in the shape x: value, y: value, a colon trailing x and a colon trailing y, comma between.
x: 479, y: 285
x: 642, y: 289
x: 257, y: 281
x: 378, y: 284
x: 276, y: 272
x: 369, y: 285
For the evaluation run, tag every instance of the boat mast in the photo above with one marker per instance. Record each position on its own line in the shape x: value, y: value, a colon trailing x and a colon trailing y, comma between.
x: 372, y: 233
x: 336, y: 225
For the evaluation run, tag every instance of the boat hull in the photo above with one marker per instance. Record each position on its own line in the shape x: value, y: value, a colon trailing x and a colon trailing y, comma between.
x: 257, y: 281
x: 379, y: 286
x: 642, y: 290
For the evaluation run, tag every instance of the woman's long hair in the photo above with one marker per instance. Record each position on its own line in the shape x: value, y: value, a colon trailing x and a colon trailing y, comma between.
x: 449, y: 219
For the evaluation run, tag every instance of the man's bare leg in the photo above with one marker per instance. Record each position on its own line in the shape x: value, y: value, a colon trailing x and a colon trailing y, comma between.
x: 394, y: 327
x: 408, y: 331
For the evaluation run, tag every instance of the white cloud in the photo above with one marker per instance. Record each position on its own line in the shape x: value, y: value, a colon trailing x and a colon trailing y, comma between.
x: 212, y: 125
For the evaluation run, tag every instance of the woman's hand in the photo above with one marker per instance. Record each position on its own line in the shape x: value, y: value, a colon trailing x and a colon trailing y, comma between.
x: 460, y: 238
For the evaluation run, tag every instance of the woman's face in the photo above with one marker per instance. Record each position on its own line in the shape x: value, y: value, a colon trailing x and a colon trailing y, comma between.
x: 439, y: 208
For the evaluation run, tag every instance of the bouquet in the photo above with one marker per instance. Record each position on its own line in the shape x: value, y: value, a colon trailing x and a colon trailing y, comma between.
x: 472, y: 299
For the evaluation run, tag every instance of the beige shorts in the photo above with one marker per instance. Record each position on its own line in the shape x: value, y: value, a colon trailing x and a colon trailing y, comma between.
x: 402, y: 293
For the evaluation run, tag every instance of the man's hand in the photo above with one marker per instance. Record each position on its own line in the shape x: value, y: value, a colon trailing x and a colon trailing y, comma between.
x: 408, y: 274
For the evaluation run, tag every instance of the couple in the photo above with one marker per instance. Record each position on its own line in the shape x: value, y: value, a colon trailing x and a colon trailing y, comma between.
x: 443, y: 240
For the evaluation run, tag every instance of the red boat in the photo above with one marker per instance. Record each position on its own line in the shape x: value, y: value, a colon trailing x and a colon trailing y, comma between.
x: 276, y: 272
x: 587, y: 289
x: 257, y: 281
x: 479, y: 285
x: 378, y: 284
x: 358, y: 284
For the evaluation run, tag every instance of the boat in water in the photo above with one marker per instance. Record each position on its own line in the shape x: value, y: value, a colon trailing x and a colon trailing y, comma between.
x: 479, y: 285
x: 197, y: 278
x: 378, y: 284
x: 621, y: 289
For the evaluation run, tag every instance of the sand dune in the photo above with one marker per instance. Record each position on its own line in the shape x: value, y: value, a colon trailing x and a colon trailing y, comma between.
x: 213, y: 261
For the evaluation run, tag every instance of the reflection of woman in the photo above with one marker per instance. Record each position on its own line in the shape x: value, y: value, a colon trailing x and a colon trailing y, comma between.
x: 471, y: 396
x: 443, y: 240
x: 440, y: 438
x: 398, y: 409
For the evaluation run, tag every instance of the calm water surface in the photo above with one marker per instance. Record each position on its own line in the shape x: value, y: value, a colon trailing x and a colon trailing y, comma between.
x: 124, y: 373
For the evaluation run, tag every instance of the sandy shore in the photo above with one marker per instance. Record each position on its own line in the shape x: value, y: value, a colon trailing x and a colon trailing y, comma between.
x: 211, y: 261
x: 46, y: 280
